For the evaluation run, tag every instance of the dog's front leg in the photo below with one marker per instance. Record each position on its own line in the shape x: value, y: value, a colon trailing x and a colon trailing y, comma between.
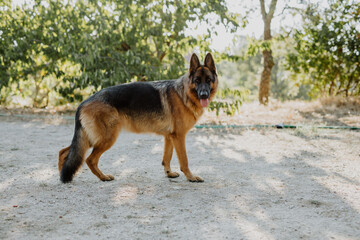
x: 168, y: 151
x: 179, y: 144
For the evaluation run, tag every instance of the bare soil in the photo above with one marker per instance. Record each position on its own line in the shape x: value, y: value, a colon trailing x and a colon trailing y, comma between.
x: 259, y: 183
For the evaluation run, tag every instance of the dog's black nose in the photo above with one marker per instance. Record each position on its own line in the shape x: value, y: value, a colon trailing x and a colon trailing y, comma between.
x: 204, y: 94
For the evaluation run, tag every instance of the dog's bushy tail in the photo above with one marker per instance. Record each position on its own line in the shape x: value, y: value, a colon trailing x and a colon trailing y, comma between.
x: 72, y: 157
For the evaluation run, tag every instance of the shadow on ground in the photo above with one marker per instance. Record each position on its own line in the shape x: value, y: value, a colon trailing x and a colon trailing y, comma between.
x: 264, y: 184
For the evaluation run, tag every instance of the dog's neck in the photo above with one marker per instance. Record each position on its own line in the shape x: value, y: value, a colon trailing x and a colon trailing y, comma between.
x: 188, y: 102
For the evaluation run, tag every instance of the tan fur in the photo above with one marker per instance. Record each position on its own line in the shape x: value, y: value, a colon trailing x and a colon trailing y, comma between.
x: 62, y: 156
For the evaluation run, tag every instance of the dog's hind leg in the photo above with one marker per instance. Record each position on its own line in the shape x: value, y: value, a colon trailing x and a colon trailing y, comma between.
x: 103, y: 145
x: 168, y: 151
x: 92, y: 162
x: 62, y: 156
x: 102, y: 126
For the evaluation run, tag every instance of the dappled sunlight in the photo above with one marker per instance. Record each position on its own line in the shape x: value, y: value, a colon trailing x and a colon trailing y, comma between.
x: 274, y: 184
x: 285, y: 179
x: 252, y: 230
x: 205, y: 170
x: 348, y: 191
x: 125, y: 173
x: 136, y: 141
x: 125, y: 195
x: 232, y: 154
x: 258, y: 185
x: 6, y: 183
x: 119, y: 161
x: 158, y: 148
x: 334, y: 235
x: 43, y: 174
x: 248, y: 229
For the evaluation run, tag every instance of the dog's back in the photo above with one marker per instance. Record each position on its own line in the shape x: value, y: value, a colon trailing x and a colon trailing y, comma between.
x: 137, y: 97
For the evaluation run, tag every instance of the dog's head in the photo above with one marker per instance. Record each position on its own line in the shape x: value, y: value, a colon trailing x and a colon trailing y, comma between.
x: 203, y: 79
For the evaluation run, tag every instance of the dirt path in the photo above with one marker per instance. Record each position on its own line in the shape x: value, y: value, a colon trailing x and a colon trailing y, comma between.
x: 260, y: 184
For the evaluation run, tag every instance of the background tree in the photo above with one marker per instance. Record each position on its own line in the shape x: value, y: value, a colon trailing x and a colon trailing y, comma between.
x: 244, y: 74
x: 267, y: 56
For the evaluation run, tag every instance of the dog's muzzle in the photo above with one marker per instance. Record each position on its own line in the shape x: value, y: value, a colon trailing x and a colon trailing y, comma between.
x: 203, y: 92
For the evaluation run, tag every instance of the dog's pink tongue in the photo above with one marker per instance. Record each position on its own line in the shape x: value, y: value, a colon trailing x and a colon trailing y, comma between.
x: 204, y: 102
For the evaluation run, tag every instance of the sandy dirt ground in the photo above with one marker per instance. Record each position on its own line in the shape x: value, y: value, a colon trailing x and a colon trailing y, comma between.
x: 259, y: 184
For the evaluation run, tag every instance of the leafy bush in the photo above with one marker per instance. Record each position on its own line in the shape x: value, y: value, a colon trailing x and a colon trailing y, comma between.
x: 112, y: 41
x: 228, y: 101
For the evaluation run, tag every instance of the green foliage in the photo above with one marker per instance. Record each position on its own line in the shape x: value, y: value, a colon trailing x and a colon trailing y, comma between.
x: 112, y: 42
x: 327, y: 53
x: 240, y: 70
x: 282, y: 85
x: 258, y: 46
x: 228, y: 101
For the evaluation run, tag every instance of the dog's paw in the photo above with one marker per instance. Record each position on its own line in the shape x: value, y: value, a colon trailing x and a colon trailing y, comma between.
x: 107, y: 178
x: 172, y: 174
x: 195, y: 179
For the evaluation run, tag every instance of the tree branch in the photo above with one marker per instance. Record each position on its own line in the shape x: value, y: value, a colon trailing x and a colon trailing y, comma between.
x: 263, y: 11
x: 272, y: 9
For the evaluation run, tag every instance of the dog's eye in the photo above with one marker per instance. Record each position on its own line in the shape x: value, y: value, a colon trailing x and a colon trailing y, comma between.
x: 208, y: 80
x: 197, y: 80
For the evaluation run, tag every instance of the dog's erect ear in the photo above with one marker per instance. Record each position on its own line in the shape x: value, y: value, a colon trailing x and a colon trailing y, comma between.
x: 194, y: 63
x: 209, y: 62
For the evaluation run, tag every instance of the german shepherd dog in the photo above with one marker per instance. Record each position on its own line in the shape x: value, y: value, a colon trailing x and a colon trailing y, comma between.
x: 168, y: 108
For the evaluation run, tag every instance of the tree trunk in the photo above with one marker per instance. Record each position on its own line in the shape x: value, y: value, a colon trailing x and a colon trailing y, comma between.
x: 265, y: 77
x: 332, y: 84
x: 264, y: 87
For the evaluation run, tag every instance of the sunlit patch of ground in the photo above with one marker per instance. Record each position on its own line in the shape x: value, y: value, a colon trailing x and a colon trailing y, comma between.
x: 324, y: 112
